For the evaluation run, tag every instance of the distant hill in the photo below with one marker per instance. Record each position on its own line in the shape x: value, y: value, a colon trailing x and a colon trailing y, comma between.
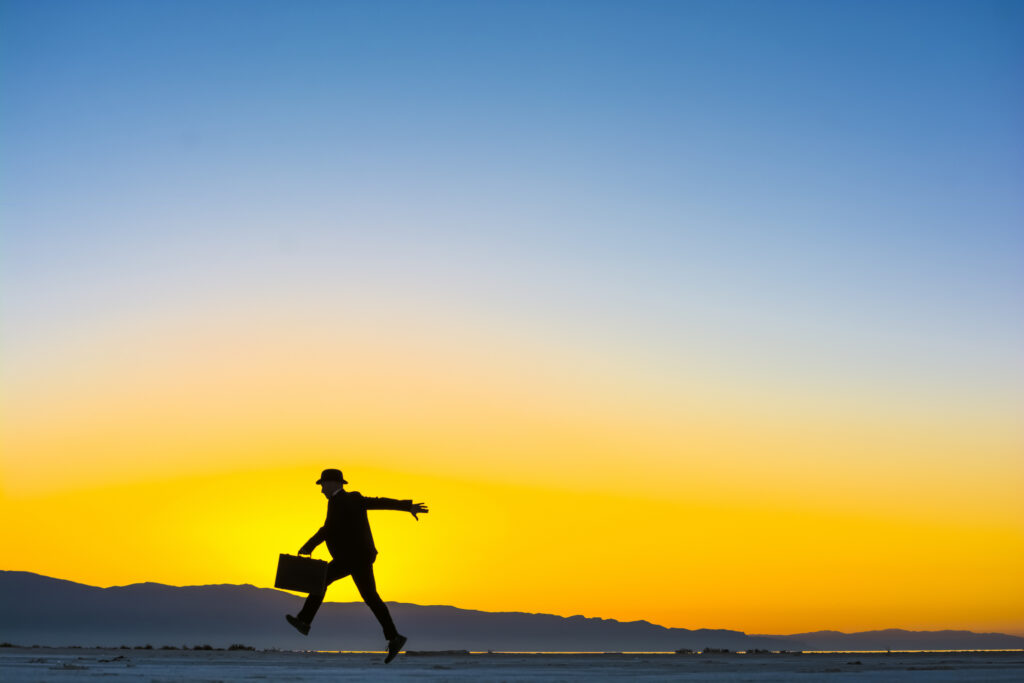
x: 40, y: 610
x: 898, y: 639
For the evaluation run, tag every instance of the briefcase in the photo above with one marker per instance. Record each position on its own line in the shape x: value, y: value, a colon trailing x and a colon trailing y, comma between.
x: 302, y: 574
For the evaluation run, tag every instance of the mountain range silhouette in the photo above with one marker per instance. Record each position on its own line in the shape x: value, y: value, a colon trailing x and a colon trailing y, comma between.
x: 40, y: 610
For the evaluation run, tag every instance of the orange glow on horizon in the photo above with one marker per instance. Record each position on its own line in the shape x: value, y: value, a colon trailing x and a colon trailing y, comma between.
x: 158, y: 459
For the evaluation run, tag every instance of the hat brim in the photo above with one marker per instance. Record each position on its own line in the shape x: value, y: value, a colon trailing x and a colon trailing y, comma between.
x: 340, y: 481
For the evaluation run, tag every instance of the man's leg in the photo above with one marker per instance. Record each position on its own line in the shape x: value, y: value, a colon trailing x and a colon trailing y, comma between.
x: 367, y: 585
x: 335, y: 571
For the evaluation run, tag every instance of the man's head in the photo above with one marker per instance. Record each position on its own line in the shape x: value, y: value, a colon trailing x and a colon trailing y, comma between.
x: 331, y: 481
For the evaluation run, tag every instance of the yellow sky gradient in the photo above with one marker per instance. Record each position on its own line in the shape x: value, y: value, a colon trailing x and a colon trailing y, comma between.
x: 733, y: 563
x: 557, y: 483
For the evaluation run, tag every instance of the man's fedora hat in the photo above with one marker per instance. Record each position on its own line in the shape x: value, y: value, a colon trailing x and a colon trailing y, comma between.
x: 331, y: 475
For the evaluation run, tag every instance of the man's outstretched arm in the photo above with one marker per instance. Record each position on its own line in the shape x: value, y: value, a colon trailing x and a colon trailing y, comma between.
x: 392, y: 504
x: 312, y: 543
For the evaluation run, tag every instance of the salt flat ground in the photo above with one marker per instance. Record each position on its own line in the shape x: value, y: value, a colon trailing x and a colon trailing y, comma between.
x: 18, y: 665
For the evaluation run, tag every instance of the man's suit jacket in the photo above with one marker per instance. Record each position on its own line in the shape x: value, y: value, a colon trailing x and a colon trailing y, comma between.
x: 347, y: 528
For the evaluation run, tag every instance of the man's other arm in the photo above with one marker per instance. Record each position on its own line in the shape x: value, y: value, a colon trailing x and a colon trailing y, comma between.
x: 312, y: 543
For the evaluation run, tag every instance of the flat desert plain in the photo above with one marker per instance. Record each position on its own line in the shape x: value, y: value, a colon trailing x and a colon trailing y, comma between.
x: 18, y: 664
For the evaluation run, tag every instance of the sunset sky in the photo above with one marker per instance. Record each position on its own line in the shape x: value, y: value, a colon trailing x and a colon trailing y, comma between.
x: 704, y: 313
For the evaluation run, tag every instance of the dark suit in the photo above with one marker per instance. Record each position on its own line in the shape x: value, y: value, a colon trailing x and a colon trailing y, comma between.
x: 350, y: 542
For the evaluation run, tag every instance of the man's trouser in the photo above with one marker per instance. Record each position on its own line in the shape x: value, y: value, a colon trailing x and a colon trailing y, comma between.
x: 362, y: 575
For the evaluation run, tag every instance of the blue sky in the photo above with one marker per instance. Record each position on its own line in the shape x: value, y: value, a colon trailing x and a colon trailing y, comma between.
x: 832, y: 185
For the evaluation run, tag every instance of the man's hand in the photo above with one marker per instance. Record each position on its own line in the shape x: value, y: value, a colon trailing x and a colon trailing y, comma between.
x: 418, y: 509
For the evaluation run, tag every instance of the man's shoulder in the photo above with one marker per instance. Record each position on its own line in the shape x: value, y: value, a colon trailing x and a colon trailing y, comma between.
x: 349, y: 498
x: 345, y: 498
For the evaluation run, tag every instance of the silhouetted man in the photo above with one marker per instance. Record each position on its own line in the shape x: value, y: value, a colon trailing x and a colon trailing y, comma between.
x: 348, y: 537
